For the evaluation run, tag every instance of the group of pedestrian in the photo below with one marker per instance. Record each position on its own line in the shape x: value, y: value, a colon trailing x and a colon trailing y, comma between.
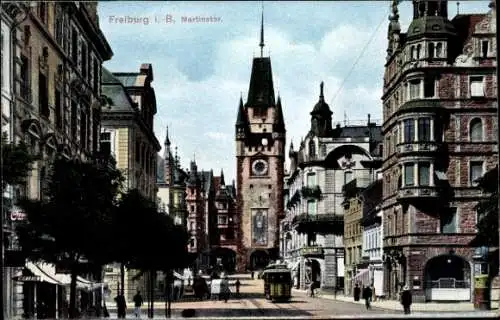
x: 367, y: 293
x: 121, y: 305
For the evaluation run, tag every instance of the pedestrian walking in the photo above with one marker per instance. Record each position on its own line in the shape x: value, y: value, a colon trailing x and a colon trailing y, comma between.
x: 357, y: 292
x: 367, y: 295
x: 121, y: 306
x: 311, y: 289
x: 237, y: 285
x: 137, y: 304
x: 225, y: 291
x: 406, y: 299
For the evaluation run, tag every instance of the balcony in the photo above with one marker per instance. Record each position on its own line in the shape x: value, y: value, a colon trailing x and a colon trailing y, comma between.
x: 418, y: 192
x: 404, y: 149
x: 319, y: 223
x: 311, y: 251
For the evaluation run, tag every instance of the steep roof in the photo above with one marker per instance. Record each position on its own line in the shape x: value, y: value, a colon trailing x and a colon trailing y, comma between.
x: 261, y: 90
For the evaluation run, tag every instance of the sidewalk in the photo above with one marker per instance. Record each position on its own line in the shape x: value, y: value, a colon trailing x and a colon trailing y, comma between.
x: 396, y: 305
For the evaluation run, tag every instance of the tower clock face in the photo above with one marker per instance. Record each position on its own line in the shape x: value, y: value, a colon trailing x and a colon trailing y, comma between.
x: 259, y: 167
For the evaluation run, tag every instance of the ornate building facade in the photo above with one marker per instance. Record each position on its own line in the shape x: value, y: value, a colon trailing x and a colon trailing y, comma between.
x: 439, y: 136
x: 224, y: 243
x: 313, y: 228
x: 260, y: 151
x: 55, y: 106
x: 127, y: 133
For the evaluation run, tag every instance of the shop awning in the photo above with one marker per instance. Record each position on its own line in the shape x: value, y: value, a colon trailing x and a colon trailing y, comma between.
x: 45, y: 272
x: 363, y: 277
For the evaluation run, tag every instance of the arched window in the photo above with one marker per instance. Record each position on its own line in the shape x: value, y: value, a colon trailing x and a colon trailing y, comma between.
x: 476, y: 130
x: 312, y: 148
x: 412, y: 53
x: 419, y: 47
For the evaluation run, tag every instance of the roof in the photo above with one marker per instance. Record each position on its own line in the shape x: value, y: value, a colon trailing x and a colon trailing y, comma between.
x: 261, y: 90
x: 117, y: 95
x: 372, y: 197
x: 465, y: 25
x: 131, y: 79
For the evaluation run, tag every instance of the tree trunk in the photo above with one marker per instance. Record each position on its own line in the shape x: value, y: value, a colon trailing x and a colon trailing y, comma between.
x: 72, y: 294
x: 122, y: 279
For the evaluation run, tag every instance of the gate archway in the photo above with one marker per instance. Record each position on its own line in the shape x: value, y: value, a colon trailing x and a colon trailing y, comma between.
x: 447, y: 278
x: 224, y: 258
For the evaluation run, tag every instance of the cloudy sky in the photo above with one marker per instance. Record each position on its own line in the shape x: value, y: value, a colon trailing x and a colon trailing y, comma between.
x: 201, y: 69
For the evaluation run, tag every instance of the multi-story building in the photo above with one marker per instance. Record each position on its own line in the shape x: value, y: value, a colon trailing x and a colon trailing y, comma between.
x: 171, y: 183
x: 11, y: 15
x: 260, y: 151
x: 314, y: 223
x: 127, y: 133
x: 196, y: 209
x: 371, y: 268
x: 51, y: 61
x: 353, y: 233
x: 224, y: 244
x: 439, y: 136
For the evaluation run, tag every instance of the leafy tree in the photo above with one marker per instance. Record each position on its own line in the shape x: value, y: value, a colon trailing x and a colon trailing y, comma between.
x: 72, y: 221
x: 488, y: 211
x: 16, y: 163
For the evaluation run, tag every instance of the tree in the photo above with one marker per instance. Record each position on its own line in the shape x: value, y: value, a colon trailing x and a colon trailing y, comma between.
x: 73, y: 220
x: 487, y: 210
x: 16, y: 163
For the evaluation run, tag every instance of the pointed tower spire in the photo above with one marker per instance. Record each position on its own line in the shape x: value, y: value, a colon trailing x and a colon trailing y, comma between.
x: 279, y: 121
x: 167, y: 139
x: 222, y: 182
x: 261, y: 44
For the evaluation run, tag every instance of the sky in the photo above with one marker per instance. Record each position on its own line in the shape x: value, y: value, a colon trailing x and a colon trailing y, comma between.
x: 201, y: 69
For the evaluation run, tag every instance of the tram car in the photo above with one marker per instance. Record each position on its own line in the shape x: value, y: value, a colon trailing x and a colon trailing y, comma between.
x: 277, y: 282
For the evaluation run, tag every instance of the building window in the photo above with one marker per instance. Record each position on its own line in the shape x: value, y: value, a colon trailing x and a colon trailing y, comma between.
x: 475, y: 171
x: 448, y: 221
x: 311, y: 179
x: 311, y: 207
x: 476, y: 130
x: 229, y: 234
x: 83, y: 129
x: 105, y: 145
x: 439, y: 50
x: 484, y: 48
x: 74, y: 119
x: 191, y: 242
x: 84, y: 60
x: 42, y: 11
x: 222, y: 219
x: 312, y: 148
x: 419, y: 48
x: 409, y: 130
x: 424, y: 129
x: 476, y: 86
x: 409, y: 177
x: 74, y: 46
x: 192, y: 208
x: 25, y: 79
x: 96, y: 76
x: 58, y: 26
x: 415, y: 89
x: 430, y: 49
x: 424, y: 171
x: 347, y: 177
x: 43, y: 97
x: 429, y: 87
x: 59, y: 110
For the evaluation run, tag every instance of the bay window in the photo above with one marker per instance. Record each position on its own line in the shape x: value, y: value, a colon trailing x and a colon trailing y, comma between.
x: 409, y: 174
x: 409, y: 130
x: 424, y: 129
x: 424, y: 171
x: 414, y: 89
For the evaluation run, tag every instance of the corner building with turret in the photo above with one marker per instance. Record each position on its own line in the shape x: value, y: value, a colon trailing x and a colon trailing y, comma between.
x: 260, y: 149
x: 439, y: 134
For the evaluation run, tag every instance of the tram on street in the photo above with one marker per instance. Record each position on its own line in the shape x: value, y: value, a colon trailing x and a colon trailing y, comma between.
x: 277, y: 282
